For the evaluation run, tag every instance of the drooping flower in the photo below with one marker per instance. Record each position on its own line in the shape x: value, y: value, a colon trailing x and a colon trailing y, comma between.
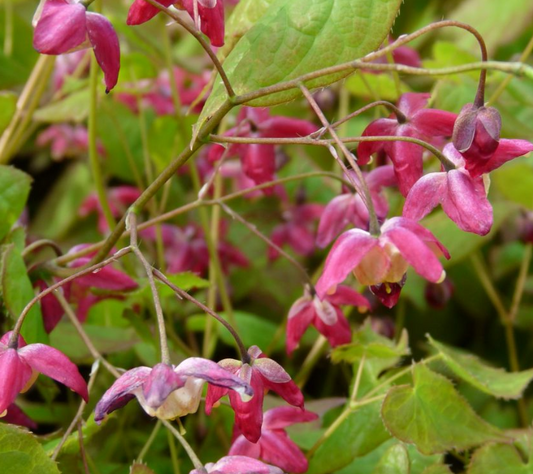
x: 348, y: 208
x: 262, y: 374
x: 21, y: 365
x: 65, y: 26
x: 384, y: 258
x: 417, y: 122
x: 118, y: 198
x: 238, y: 465
x: 325, y: 314
x: 15, y: 416
x: 66, y: 141
x: 259, y: 161
x: 275, y: 446
x: 168, y: 392
x: 210, y: 18
x: 463, y: 198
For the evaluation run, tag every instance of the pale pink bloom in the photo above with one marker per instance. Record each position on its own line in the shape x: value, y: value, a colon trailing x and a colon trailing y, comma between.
x: 238, y: 465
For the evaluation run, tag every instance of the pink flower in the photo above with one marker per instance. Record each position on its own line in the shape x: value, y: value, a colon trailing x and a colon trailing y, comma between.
x: 275, y: 446
x: 384, y: 258
x: 168, y: 391
x: 119, y: 199
x: 210, y: 15
x: 348, y: 208
x: 326, y: 315
x: 15, y: 416
x: 418, y: 123
x: 65, y: 26
x: 259, y: 161
x: 67, y: 141
x: 238, y: 465
x: 51, y: 309
x: 20, y: 366
x: 462, y: 197
x: 262, y: 374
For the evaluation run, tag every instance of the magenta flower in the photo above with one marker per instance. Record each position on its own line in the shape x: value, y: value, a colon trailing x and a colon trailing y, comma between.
x: 186, y: 249
x: 384, y: 258
x: 169, y: 392
x: 298, y: 229
x: 389, y: 293
x: 326, y: 315
x: 51, y: 309
x: 275, y: 446
x: 66, y: 141
x: 262, y: 374
x: 210, y: 19
x: 15, y: 416
x: 65, y: 25
x: 417, y: 122
x: 462, y: 197
x: 20, y: 366
x: 238, y: 465
x: 119, y: 199
x: 259, y: 161
x: 348, y: 208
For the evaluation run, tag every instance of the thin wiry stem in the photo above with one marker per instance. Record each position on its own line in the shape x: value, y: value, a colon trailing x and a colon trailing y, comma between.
x: 188, y: 449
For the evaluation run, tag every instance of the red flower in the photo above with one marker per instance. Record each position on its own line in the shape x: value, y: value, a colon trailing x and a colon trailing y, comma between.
x: 418, y: 123
x: 262, y: 374
x: 65, y: 25
x: 21, y: 365
x: 324, y: 314
x: 275, y: 446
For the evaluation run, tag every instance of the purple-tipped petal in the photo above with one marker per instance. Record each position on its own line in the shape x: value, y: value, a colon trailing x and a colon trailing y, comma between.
x: 160, y: 383
x: 347, y: 252
x: 56, y: 365
x: 61, y: 27
x: 119, y: 393
x: 15, y: 375
x: 466, y: 203
x: 141, y: 11
x: 425, y: 195
x: 271, y: 370
x: 104, y: 40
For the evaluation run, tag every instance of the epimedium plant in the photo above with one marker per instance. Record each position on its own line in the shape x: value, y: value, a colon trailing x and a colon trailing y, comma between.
x: 166, y: 151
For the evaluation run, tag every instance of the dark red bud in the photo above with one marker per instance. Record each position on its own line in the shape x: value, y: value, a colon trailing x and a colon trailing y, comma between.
x: 438, y: 294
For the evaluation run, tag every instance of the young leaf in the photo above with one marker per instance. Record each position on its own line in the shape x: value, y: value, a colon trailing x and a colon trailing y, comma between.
x: 433, y: 416
x: 394, y: 461
x: 499, y: 459
x: 296, y: 37
x: 20, y: 453
x: 495, y: 382
x: 14, y: 190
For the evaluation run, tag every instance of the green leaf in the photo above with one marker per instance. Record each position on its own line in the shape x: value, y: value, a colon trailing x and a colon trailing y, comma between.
x: 433, y: 416
x: 14, y: 190
x: 138, y: 468
x: 72, y: 444
x: 17, y: 291
x: 369, y: 86
x: 491, y: 380
x: 20, y: 453
x: 447, y: 54
x: 515, y: 182
x: 296, y: 37
x: 73, y: 108
x: 437, y: 469
x: 8, y: 105
x: 499, y: 459
x: 394, y: 461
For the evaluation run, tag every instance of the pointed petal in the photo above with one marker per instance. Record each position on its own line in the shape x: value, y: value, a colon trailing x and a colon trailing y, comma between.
x: 466, y: 203
x: 334, y: 219
x: 411, y: 102
x: 336, y: 334
x: 119, y: 393
x: 106, y: 47
x: 277, y: 448
x: 289, y: 391
x: 16, y: 416
x: 61, y: 28
x: 416, y: 253
x: 344, y: 256
x: 15, y: 375
x: 211, y: 20
x: 286, y: 127
x: 434, y: 123
x: 141, y: 11
x: 249, y: 415
x: 506, y: 151
x: 214, y: 394
x: 242, y: 447
x: 281, y: 417
x: 56, y: 365
x: 108, y: 278
x: 380, y: 127
x: 428, y: 192
x: 297, y: 324
x: 348, y: 296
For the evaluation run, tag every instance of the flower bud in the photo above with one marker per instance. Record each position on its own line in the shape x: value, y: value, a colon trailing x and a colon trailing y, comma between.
x: 438, y: 294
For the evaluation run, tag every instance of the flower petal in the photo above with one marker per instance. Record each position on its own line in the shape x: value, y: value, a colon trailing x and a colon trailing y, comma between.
x: 238, y: 465
x: 141, y: 11
x: 434, y: 122
x: 334, y: 219
x: 337, y: 333
x: 15, y: 375
x: 61, y: 27
x: 507, y: 150
x: 259, y: 163
x: 380, y: 127
x: 281, y: 417
x: 348, y: 296
x: 271, y: 370
x: 56, y: 365
x: 106, y: 47
x: 427, y: 193
x: 277, y: 448
x: 297, y: 324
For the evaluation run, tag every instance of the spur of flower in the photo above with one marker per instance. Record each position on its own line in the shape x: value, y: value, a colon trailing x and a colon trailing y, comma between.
x: 168, y: 392
x: 21, y: 363
x: 262, y: 374
x: 384, y: 258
